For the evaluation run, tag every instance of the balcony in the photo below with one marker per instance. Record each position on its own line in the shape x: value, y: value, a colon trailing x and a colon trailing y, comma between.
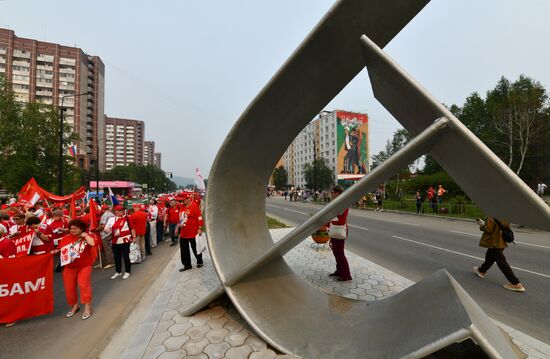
x: 21, y: 63
x: 45, y: 58
x: 66, y: 87
x: 68, y: 62
x: 2, y: 60
x: 22, y: 54
x: 2, y: 50
x: 44, y: 93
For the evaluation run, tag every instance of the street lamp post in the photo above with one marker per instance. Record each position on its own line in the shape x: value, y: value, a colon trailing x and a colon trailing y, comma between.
x: 60, y: 163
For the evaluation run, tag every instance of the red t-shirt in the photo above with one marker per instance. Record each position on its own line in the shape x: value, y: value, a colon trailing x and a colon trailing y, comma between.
x: 190, y: 220
x: 45, y: 246
x: 174, y: 214
x: 138, y: 222
x: 7, y: 247
x: 87, y: 254
x: 56, y: 227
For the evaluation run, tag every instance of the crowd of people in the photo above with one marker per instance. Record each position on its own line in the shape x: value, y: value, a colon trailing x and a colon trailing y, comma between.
x: 78, y: 235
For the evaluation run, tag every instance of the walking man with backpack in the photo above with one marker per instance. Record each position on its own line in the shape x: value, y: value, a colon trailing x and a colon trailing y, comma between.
x: 496, y: 236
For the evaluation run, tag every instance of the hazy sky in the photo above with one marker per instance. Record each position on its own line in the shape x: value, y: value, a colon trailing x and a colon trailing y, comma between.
x: 189, y: 68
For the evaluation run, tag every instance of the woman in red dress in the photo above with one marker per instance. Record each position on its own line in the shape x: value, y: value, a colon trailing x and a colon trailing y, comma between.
x: 79, y: 271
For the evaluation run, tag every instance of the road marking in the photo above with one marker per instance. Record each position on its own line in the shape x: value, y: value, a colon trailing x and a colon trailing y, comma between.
x: 517, y: 242
x: 466, y: 255
x: 363, y: 228
x: 287, y: 209
x: 387, y: 220
x: 466, y: 233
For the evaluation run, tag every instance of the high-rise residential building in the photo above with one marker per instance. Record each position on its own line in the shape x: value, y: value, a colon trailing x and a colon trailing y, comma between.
x: 124, y: 142
x: 158, y: 159
x: 56, y: 75
x: 339, y: 137
x: 149, y: 153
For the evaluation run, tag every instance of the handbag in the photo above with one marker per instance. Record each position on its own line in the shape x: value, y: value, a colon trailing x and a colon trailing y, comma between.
x: 201, y: 242
x: 135, y: 253
x: 338, y: 231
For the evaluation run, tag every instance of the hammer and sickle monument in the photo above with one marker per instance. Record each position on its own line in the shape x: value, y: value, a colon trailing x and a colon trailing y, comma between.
x: 289, y: 313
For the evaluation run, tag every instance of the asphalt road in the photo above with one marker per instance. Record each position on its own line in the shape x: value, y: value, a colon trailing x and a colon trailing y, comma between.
x: 54, y: 336
x: 416, y: 246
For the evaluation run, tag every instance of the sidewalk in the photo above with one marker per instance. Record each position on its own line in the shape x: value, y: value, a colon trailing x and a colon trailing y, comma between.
x: 157, y: 330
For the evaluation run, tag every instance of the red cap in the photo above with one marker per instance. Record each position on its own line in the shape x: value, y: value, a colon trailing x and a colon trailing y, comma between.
x: 142, y: 207
x: 65, y: 211
x: 4, y: 206
x: 47, y: 209
x: 118, y: 208
x: 104, y: 206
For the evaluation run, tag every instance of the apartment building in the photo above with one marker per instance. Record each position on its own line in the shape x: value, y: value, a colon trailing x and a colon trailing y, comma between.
x: 124, y: 142
x: 148, y: 153
x: 64, y: 76
x: 339, y: 137
x: 158, y: 159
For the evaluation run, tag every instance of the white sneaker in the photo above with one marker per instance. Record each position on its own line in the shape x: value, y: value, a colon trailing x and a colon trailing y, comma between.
x: 116, y: 275
x: 126, y: 275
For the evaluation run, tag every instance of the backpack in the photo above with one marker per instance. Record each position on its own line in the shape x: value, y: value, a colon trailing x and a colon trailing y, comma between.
x: 507, y: 233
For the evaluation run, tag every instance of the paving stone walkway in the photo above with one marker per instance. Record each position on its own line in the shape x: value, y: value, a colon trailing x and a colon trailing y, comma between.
x: 220, y: 332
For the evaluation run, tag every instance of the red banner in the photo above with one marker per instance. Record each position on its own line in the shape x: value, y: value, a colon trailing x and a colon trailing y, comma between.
x: 31, y: 192
x: 26, y: 287
x: 23, y: 243
x: 78, y: 194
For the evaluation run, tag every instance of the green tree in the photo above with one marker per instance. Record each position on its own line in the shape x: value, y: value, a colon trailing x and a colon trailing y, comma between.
x: 280, y: 177
x: 153, y: 176
x: 318, y: 175
x: 29, y: 142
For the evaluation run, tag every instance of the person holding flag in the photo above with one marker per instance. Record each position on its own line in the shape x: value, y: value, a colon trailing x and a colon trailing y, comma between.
x: 77, y: 257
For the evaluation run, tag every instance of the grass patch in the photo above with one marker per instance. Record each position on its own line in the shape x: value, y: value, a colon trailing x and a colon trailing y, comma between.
x: 273, y: 223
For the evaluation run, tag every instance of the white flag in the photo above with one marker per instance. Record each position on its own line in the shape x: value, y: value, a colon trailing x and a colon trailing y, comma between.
x: 199, y: 180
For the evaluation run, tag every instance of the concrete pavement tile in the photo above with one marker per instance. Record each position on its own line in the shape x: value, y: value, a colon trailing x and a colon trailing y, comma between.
x: 178, y: 318
x: 287, y: 356
x: 153, y: 352
x: 263, y: 354
x: 255, y: 342
x: 239, y: 352
x: 195, y: 346
x: 199, y: 356
x: 180, y: 354
x: 237, y: 339
x: 175, y: 343
x: 164, y: 325
x: 168, y: 314
x: 216, y: 322
x: 217, y: 335
x: 342, y: 290
x: 198, y: 332
x: 200, y: 318
x: 179, y: 329
x: 217, y: 350
x: 216, y: 312
x: 158, y: 338
x: 358, y: 291
x: 233, y: 326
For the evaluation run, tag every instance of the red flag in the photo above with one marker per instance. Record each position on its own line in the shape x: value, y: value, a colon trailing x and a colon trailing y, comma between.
x: 72, y: 210
x: 30, y: 192
x: 94, y: 223
x: 26, y: 287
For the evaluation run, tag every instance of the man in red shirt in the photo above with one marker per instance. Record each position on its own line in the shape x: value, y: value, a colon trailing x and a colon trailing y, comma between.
x: 172, y: 219
x: 58, y: 226
x: 7, y: 247
x: 138, y: 224
x: 190, y: 226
